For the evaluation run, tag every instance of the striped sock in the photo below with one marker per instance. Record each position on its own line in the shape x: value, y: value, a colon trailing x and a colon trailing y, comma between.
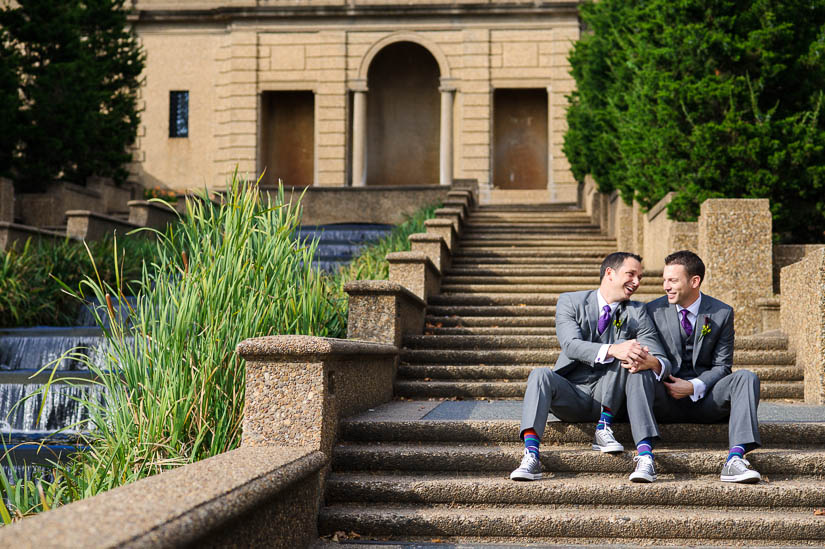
x: 531, y: 441
x: 645, y: 447
x: 736, y: 451
x: 606, y: 419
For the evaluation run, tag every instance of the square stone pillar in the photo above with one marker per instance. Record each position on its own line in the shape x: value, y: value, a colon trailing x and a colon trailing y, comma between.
x: 446, y: 230
x: 802, y: 313
x: 383, y: 311
x: 455, y: 215
x: 434, y: 247
x: 298, y: 387
x: 416, y: 272
x: 6, y: 200
x: 735, y: 242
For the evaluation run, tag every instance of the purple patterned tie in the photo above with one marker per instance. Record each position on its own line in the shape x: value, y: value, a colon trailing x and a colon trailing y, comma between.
x: 604, y: 320
x: 686, y: 326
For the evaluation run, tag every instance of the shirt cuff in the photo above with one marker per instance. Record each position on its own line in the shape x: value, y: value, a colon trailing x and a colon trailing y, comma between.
x: 601, y: 358
x: 699, y: 388
x: 661, y: 370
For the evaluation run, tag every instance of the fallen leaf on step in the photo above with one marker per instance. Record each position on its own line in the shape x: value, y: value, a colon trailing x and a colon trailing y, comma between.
x: 354, y: 535
x: 819, y: 512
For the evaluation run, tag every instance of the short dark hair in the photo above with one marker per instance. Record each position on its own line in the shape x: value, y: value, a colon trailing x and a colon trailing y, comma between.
x: 615, y: 260
x: 690, y: 261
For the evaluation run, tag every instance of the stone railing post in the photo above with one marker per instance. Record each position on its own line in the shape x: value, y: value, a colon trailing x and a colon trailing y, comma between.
x: 434, y: 247
x: 454, y: 215
x: 802, y: 314
x: 416, y: 272
x: 6, y: 200
x: 735, y: 242
x: 383, y: 312
x: 298, y: 387
x: 461, y: 194
x: 466, y: 185
x: 446, y: 230
x: 151, y: 214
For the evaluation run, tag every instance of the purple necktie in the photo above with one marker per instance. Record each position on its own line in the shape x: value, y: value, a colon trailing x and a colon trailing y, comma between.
x: 604, y: 320
x: 686, y: 326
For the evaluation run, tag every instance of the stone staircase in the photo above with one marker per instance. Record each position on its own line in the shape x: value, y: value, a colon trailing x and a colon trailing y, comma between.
x: 434, y: 464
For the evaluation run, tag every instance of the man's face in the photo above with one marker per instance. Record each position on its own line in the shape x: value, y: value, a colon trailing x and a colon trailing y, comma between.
x: 619, y: 285
x: 680, y: 289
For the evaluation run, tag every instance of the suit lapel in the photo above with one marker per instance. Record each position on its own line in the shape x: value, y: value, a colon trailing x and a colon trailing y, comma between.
x: 592, y: 312
x: 704, y: 312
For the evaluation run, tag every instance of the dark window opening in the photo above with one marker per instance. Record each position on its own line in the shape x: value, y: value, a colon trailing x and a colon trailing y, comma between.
x: 178, y: 114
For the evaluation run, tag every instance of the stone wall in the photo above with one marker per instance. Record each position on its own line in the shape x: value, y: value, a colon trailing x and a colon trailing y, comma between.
x: 802, y: 314
x: 788, y: 254
x: 6, y: 200
x: 228, y: 58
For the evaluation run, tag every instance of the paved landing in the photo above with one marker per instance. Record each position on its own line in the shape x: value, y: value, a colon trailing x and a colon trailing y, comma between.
x: 492, y: 410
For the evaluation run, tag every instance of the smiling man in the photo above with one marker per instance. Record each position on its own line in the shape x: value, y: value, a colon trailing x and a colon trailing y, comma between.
x: 598, y: 331
x: 697, y: 331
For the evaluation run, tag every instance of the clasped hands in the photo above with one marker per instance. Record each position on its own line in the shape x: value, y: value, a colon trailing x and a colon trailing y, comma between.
x: 634, y: 356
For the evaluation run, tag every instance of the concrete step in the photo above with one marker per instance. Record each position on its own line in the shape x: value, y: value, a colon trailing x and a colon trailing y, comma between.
x: 644, y: 294
x: 493, y: 299
x: 516, y: 372
x: 503, y: 458
x: 514, y: 389
x: 583, y: 282
x: 533, y: 270
x: 548, y: 355
x: 570, y: 256
x: 488, y: 322
x: 752, y: 347
x: 539, y: 522
x: 464, y: 313
x: 556, y: 488
x: 530, y: 244
x: 511, y: 330
x: 496, y: 422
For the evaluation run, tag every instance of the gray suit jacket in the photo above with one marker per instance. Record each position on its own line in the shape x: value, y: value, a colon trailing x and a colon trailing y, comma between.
x: 577, y: 318
x: 712, y: 352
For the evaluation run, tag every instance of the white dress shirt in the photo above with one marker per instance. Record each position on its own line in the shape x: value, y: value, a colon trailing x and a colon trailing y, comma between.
x: 699, y: 386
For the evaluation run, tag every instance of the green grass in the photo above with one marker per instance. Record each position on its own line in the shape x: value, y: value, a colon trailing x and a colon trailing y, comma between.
x: 30, y: 294
x: 174, y: 386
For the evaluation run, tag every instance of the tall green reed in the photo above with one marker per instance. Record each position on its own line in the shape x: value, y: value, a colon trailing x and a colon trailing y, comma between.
x: 174, y: 386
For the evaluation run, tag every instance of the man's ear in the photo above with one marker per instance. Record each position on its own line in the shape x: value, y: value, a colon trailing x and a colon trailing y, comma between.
x: 695, y: 281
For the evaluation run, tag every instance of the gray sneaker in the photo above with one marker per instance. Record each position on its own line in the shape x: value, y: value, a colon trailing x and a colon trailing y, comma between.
x: 605, y: 442
x: 530, y: 468
x: 645, y: 472
x: 738, y: 470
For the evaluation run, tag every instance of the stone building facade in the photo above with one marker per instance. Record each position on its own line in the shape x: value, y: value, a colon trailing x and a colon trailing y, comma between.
x: 356, y: 92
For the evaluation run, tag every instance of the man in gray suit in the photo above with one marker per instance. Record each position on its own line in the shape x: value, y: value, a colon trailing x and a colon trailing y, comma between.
x: 598, y: 330
x: 697, y: 331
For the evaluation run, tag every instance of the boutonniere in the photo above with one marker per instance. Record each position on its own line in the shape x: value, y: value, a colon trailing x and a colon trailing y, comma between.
x: 705, y: 328
x: 618, y: 320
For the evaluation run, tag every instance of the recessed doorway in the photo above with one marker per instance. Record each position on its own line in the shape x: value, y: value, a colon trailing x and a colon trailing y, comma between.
x: 520, y: 139
x: 288, y: 137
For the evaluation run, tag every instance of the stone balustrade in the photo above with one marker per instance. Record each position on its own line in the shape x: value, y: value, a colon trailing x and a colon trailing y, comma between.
x: 434, y: 247
x: 383, y: 312
x: 87, y: 225
x: 250, y: 497
x: 416, y: 272
x: 802, y: 313
x: 151, y: 214
x: 12, y: 232
x: 444, y: 228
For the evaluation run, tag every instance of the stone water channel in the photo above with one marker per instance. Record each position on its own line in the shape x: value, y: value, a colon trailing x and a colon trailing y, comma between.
x: 35, y: 430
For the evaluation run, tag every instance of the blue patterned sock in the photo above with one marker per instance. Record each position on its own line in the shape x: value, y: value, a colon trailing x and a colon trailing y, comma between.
x: 735, y: 451
x: 645, y: 447
x: 606, y: 419
x: 531, y: 441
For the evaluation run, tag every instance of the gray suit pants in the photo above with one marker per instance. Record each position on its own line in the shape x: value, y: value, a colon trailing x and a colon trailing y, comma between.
x: 734, y: 397
x: 578, y: 397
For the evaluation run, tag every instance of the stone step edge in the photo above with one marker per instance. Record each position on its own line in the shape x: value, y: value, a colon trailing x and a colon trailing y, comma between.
x: 586, y: 522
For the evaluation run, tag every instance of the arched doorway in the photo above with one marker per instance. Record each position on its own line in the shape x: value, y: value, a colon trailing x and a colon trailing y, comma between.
x: 403, y: 116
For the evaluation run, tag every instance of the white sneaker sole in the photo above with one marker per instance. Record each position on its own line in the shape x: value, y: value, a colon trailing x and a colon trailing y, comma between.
x: 641, y: 478
x: 609, y: 449
x: 745, y: 478
x: 515, y: 475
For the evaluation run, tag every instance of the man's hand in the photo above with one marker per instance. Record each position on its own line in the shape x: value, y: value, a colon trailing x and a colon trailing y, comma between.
x: 649, y: 362
x: 678, y: 387
x: 629, y: 351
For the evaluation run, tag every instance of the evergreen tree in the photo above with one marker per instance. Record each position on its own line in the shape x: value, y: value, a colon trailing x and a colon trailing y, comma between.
x: 80, y: 66
x: 716, y: 98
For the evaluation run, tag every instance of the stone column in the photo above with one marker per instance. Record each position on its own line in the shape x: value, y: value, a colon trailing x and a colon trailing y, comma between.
x: 446, y: 149
x: 359, y: 133
x: 735, y: 242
